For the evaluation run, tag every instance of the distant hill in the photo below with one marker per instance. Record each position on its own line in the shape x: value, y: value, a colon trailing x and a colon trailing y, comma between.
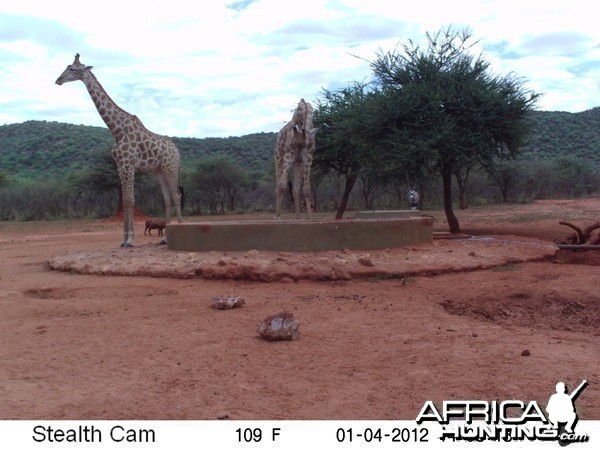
x: 252, y: 151
x: 39, y: 148
x: 557, y: 134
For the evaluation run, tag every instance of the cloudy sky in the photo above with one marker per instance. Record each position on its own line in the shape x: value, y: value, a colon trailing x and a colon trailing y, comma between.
x: 233, y: 67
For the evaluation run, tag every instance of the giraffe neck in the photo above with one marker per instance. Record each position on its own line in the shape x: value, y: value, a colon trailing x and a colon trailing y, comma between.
x: 114, y: 117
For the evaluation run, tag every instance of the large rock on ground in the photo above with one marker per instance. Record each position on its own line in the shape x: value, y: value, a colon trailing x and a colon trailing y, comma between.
x: 282, y: 326
x: 227, y: 302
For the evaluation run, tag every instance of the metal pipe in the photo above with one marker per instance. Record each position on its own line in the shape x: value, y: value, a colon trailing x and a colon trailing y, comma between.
x: 578, y: 247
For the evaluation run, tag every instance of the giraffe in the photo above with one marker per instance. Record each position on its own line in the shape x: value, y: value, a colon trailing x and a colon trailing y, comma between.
x: 295, y: 149
x: 136, y: 149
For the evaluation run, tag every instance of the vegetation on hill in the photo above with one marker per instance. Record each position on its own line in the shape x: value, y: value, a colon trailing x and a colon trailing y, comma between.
x: 38, y: 148
x: 562, y: 134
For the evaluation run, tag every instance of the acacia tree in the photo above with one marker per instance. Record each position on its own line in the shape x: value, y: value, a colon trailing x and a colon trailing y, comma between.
x: 100, y: 177
x: 444, y: 110
x: 461, y: 174
x: 505, y: 177
x: 218, y: 178
x: 346, y: 141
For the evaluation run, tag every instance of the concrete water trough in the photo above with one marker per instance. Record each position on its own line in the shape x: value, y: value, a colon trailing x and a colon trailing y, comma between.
x: 300, y: 235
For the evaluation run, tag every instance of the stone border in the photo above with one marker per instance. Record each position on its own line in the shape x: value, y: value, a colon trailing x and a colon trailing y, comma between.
x: 438, y: 257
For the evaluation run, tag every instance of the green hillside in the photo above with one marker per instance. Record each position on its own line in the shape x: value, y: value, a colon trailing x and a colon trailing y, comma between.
x: 252, y: 151
x: 38, y: 148
x: 557, y: 134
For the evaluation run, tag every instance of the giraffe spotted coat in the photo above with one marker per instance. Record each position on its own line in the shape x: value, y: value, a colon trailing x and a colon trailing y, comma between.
x: 295, y: 150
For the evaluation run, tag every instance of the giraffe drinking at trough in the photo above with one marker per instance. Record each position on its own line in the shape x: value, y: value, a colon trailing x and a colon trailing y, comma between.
x: 136, y: 149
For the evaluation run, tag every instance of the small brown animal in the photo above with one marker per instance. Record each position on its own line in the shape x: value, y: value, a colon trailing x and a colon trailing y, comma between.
x: 155, y: 224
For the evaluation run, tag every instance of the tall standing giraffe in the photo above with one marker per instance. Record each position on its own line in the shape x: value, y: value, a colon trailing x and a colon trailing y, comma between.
x: 295, y: 149
x: 136, y: 149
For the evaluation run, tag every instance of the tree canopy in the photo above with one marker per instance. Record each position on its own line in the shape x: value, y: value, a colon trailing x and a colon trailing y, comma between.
x: 345, y: 139
x: 218, y: 179
x: 443, y: 109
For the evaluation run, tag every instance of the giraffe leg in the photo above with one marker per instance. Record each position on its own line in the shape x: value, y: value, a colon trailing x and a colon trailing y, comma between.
x: 306, y: 187
x: 308, y: 197
x: 164, y: 187
x: 128, y: 203
x: 172, y: 180
x: 296, y: 188
x: 281, y: 186
x: 169, y: 184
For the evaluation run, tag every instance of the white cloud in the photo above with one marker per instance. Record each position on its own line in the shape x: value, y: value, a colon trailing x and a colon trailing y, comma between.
x: 224, y: 68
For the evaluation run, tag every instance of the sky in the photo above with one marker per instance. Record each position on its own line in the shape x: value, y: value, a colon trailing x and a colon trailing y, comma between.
x: 219, y: 68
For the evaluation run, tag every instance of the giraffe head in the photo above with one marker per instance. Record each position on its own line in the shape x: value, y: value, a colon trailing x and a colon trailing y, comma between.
x: 303, y: 119
x: 73, y: 72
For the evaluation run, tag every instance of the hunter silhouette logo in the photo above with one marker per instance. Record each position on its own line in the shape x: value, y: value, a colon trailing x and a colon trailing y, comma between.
x: 561, y: 410
x: 508, y: 420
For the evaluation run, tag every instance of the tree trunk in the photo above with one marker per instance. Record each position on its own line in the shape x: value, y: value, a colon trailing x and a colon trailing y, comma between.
x: 453, y: 224
x: 462, y: 200
x: 366, y: 190
x: 461, y: 183
x: 232, y: 192
x: 504, y: 193
x: 349, y: 185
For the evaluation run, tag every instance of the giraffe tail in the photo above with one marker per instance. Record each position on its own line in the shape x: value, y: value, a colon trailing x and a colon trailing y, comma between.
x: 181, y: 190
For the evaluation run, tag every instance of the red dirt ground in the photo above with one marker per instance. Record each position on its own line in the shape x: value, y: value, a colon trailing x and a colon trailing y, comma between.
x: 76, y: 346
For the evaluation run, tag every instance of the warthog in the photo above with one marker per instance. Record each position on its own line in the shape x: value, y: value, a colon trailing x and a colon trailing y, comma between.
x: 155, y: 224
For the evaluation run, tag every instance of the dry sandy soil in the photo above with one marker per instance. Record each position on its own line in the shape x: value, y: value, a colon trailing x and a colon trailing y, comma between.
x: 485, y: 323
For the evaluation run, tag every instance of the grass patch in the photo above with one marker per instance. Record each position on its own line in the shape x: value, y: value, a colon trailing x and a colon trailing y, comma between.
x: 392, y: 276
x: 507, y: 268
x: 532, y: 217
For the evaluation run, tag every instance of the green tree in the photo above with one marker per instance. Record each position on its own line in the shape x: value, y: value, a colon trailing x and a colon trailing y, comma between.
x: 446, y: 111
x: 505, y: 177
x: 219, y: 179
x: 101, y: 174
x: 99, y: 177
x: 576, y: 176
x: 346, y: 142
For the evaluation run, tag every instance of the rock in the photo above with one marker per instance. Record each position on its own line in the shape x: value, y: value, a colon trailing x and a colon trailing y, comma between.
x: 282, y: 326
x: 226, y: 302
x: 365, y: 261
x: 526, y: 353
